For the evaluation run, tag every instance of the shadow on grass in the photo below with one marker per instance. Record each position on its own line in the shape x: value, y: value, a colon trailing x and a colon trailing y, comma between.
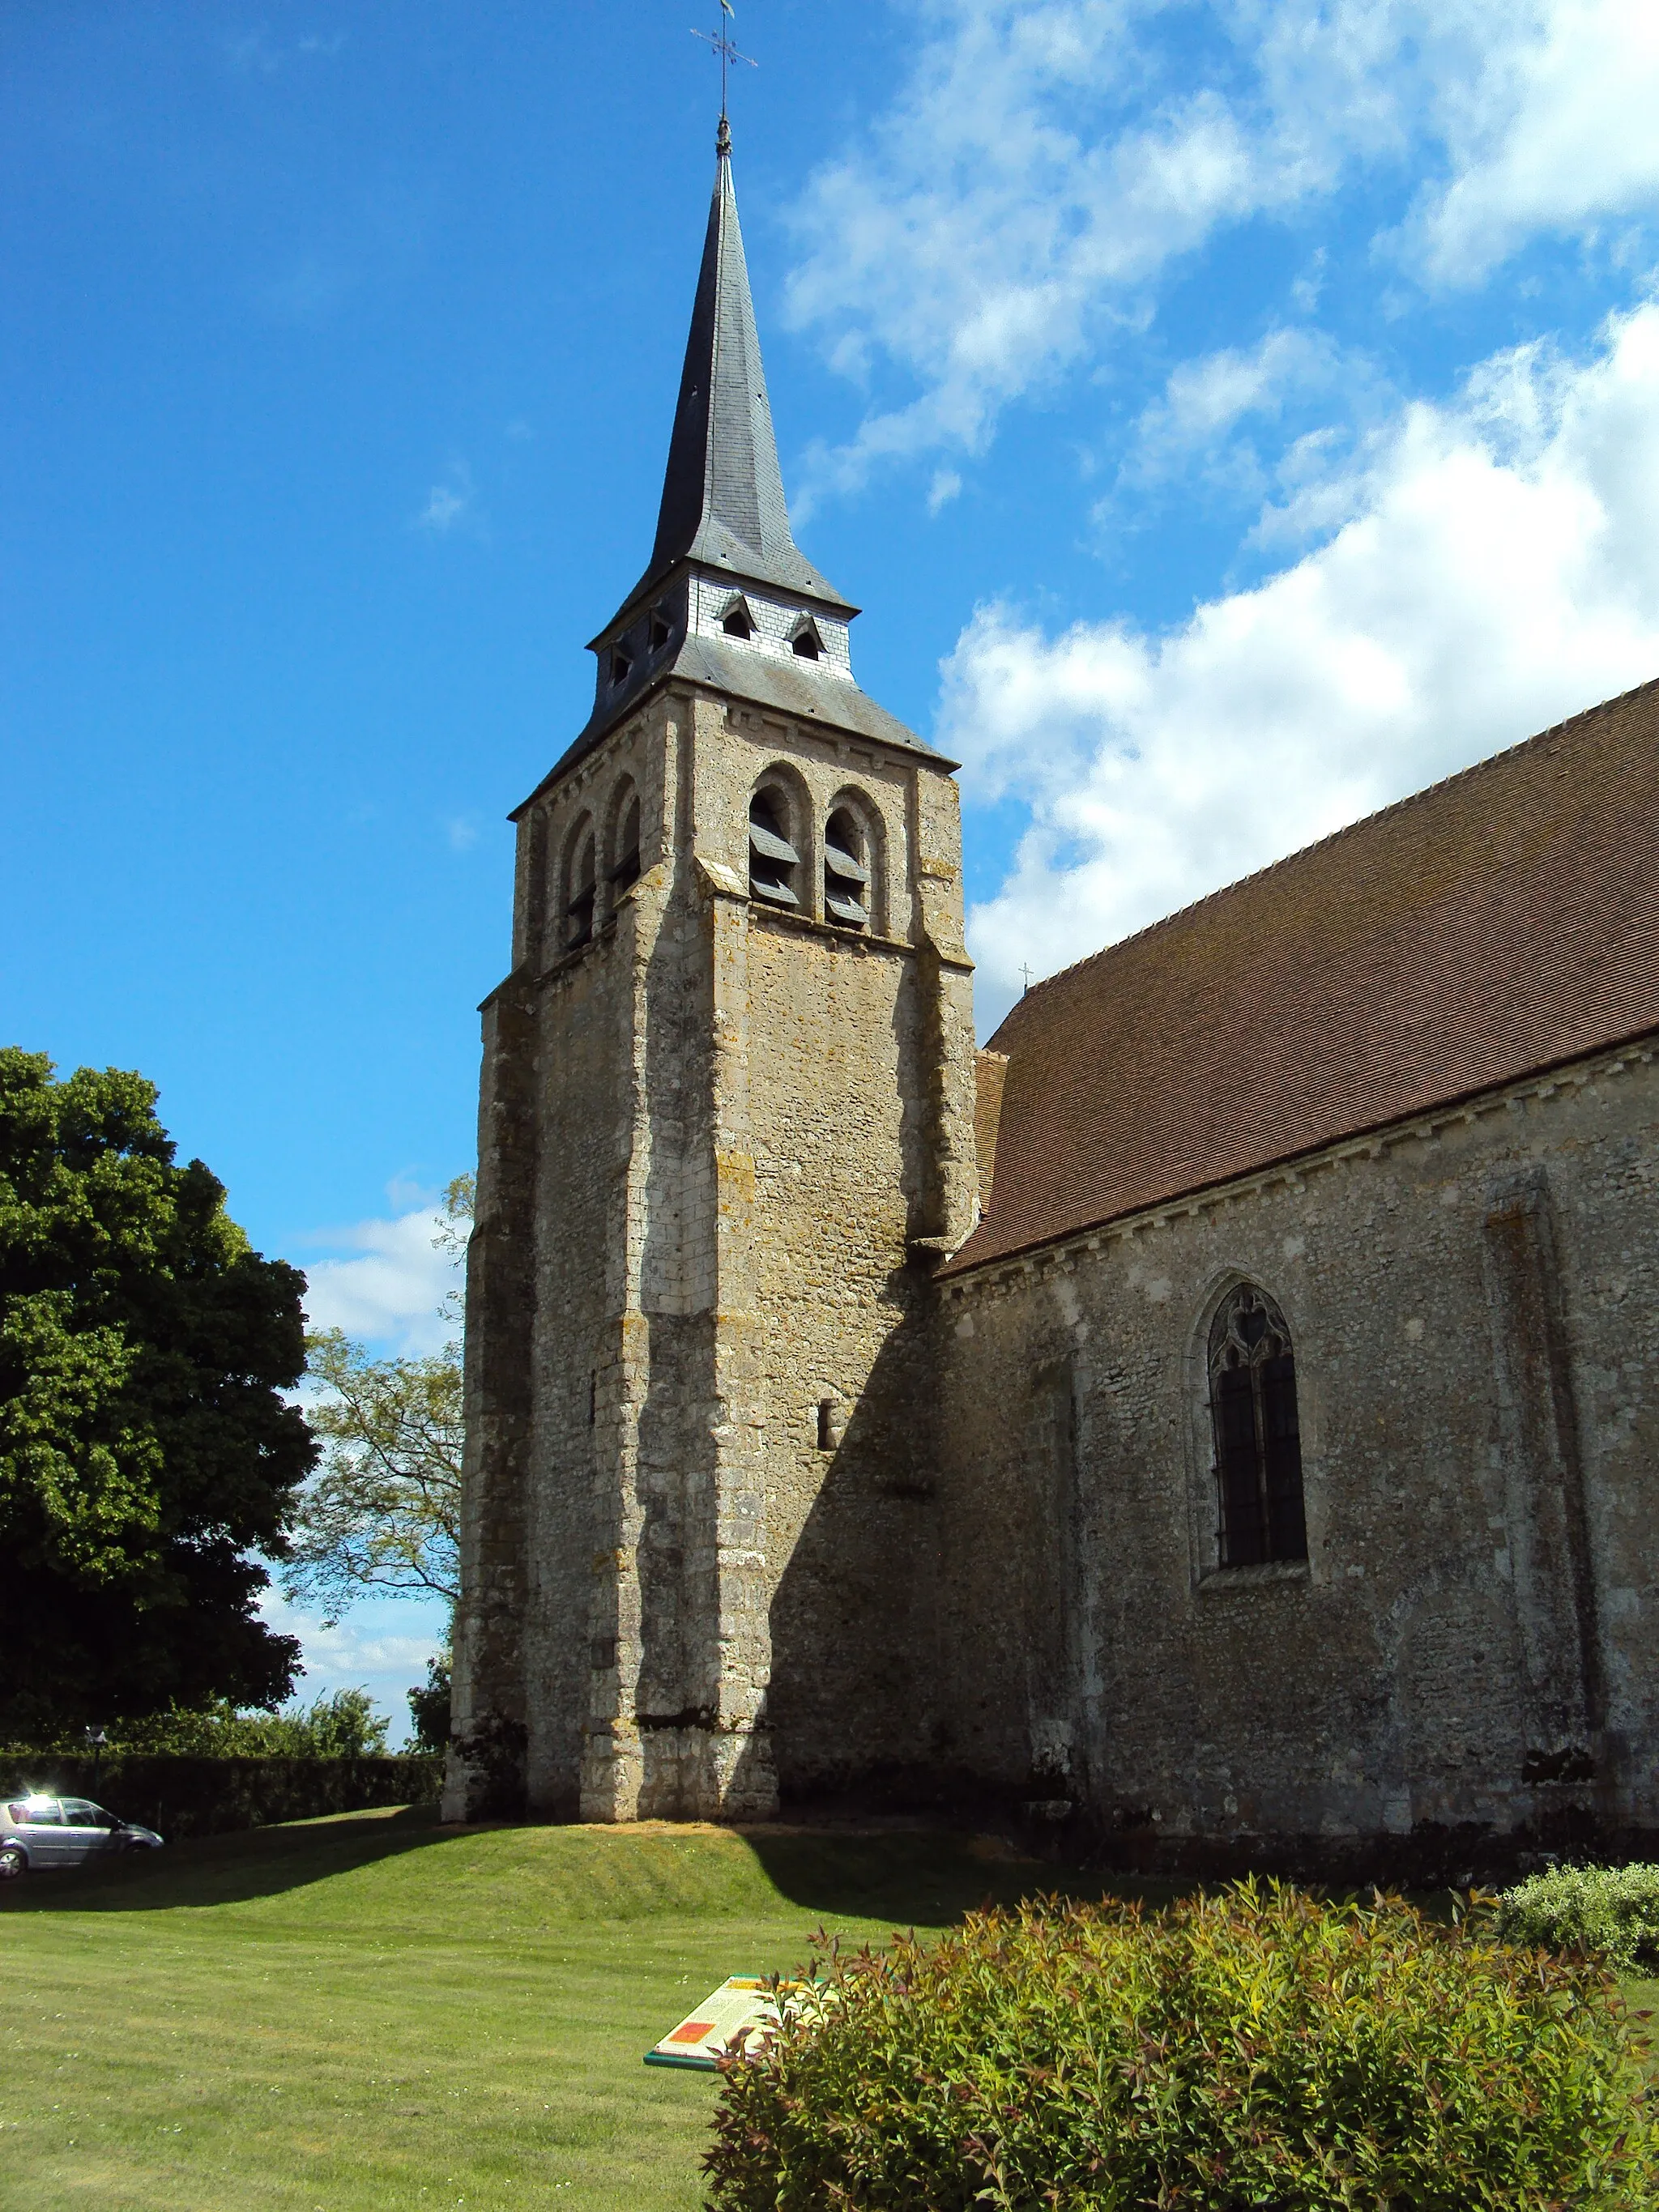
x: 917, y: 1877
x: 904, y: 1876
x: 232, y: 1870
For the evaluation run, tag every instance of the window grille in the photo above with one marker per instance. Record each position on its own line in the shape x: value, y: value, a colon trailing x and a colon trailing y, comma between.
x: 846, y: 871
x: 1258, y: 1447
x: 579, y: 907
x: 626, y: 869
x: 773, y: 860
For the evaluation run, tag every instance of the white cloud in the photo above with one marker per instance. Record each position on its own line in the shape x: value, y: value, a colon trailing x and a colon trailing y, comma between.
x: 1493, y: 565
x: 1553, y: 129
x: 944, y: 488
x: 391, y: 1290
x: 382, y: 1645
x: 1008, y: 198
x: 452, y: 502
x: 1205, y: 401
x: 1045, y: 161
x: 252, y: 51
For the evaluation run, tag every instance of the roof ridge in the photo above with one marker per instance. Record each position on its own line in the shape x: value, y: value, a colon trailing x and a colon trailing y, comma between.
x: 1332, y: 837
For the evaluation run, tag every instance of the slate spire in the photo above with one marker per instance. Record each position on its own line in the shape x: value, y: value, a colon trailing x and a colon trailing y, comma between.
x: 722, y: 497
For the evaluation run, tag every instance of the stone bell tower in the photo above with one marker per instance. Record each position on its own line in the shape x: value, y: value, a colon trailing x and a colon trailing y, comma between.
x: 725, y: 1132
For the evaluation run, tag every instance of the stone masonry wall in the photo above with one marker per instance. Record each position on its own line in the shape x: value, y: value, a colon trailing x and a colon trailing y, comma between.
x: 744, y: 1141
x: 1464, y: 1656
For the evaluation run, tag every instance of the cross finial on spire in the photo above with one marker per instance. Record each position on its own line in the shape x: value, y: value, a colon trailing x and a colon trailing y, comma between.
x: 723, y: 44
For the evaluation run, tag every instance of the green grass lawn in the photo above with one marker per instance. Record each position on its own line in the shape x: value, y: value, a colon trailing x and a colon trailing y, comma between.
x: 374, y: 2011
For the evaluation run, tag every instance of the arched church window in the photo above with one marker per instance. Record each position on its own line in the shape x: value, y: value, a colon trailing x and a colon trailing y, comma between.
x: 805, y: 641
x: 579, y: 888
x: 846, y: 870
x: 773, y: 860
x: 1258, y: 1447
x: 736, y: 621
x: 625, y: 868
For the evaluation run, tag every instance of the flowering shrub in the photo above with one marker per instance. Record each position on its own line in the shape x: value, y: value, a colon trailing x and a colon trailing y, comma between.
x: 1260, y: 2048
x: 1613, y: 1911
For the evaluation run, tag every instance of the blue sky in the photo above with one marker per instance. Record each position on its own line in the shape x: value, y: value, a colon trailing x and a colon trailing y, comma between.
x: 1231, y: 416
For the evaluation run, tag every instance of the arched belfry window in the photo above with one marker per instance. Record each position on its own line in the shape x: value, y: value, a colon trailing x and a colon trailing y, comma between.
x: 846, y: 871
x: 625, y: 841
x: 773, y: 860
x: 579, y: 887
x: 1258, y: 1446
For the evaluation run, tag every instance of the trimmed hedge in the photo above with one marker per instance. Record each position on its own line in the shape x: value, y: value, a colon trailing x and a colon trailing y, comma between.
x: 181, y: 1795
x: 1259, y: 2048
x: 1612, y: 1912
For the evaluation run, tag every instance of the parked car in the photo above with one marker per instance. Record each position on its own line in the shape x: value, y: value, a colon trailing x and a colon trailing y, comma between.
x: 60, y: 1832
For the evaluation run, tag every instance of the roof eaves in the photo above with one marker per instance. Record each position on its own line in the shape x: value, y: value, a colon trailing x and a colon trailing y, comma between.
x: 1160, y: 1201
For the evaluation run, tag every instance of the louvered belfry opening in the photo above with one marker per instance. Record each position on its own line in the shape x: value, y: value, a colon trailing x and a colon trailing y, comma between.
x: 846, y: 871
x: 773, y: 860
x: 1258, y: 1445
x: 579, y: 902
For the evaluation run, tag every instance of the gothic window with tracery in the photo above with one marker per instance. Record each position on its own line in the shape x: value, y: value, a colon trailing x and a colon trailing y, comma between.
x: 1258, y: 1446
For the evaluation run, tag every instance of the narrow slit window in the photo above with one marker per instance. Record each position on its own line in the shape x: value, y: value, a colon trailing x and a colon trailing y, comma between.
x: 1258, y: 1447
x: 578, y: 907
x: 773, y: 860
x: 846, y: 871
x: 626, y: 869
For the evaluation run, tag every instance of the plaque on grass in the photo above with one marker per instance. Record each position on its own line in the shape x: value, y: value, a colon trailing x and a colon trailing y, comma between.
x: 739, y: 2012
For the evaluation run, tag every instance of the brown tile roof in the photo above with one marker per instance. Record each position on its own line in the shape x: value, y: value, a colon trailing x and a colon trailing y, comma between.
x: 1501, y: 922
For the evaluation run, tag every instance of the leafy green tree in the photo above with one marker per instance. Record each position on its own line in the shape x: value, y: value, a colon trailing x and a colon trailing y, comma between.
x: 146, y: 1446
x: 383, y: 1511
x: 428, y: 1704
x: 344, y: 1724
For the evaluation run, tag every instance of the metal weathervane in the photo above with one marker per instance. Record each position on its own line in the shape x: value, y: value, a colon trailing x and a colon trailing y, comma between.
x: 724, y: 47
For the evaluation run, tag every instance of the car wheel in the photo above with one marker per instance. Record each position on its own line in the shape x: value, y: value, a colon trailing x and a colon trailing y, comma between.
x: 14, y: 1861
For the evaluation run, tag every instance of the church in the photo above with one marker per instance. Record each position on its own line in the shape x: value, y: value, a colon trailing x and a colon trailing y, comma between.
x: 1216, y: 1423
